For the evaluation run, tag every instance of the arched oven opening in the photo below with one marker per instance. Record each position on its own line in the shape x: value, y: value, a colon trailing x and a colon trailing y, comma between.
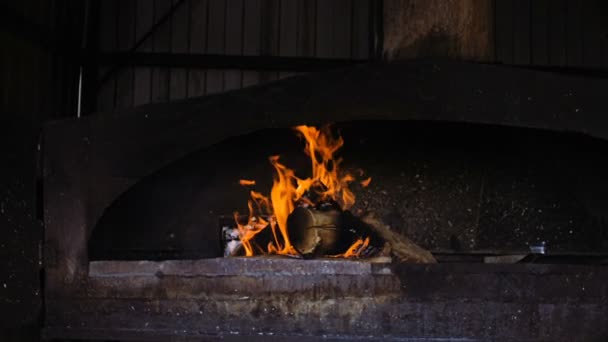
x: 465, y: 192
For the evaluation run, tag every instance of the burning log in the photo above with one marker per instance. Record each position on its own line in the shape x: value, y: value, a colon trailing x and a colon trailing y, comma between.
x: 319, y: 233
x: 401, y: 247
x: 323, y: 233
x: 315, y: 232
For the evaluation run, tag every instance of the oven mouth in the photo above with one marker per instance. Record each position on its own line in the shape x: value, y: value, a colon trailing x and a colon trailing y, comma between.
x: 466, y: 192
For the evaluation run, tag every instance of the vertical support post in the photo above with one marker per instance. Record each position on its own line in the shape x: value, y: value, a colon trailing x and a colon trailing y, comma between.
x: 376, y: 30
x: 89, y: 57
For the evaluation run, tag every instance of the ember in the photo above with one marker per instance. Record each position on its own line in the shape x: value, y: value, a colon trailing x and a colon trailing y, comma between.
x: 356, y: 248
x: 327, y: 189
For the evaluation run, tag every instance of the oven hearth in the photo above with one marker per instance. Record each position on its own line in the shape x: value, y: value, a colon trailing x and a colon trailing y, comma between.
x: 272, y: 298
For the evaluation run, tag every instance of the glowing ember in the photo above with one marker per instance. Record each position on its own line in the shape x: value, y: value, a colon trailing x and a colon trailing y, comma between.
x: 356, y: 248
x: 327, y: 182
x: 246, y: 182
x: 364, y: 183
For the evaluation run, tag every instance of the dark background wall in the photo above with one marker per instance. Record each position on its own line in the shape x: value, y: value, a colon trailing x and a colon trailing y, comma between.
x: 552, y: 32
x: 558, y: 33
x: 133, y: 52
x: 39, y: 44
x: 314, y: 30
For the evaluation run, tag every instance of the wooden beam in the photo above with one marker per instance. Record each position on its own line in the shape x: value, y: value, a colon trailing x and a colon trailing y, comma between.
x: 206, y: 61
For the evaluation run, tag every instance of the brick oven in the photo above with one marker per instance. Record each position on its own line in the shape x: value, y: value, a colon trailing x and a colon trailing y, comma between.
x: 498, y: 172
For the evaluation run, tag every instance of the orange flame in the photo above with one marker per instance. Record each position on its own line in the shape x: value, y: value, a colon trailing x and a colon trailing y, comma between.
x: 355, y: 249
x: 365, y: 183
x: 327, y: 182
x: 246, y: 182
x: 247, y: 231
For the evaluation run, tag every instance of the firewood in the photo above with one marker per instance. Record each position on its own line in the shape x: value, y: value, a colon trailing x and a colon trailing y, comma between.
x: 402, y: 248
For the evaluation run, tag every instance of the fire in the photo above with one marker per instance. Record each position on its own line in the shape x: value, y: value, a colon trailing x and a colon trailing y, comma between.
x: 355, y: 249
x: 326, y: 183
x: 246, y: 182
x: 364, y: 183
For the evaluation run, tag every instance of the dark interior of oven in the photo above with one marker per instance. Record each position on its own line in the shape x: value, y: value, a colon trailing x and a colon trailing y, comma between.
x: 452, y: 187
